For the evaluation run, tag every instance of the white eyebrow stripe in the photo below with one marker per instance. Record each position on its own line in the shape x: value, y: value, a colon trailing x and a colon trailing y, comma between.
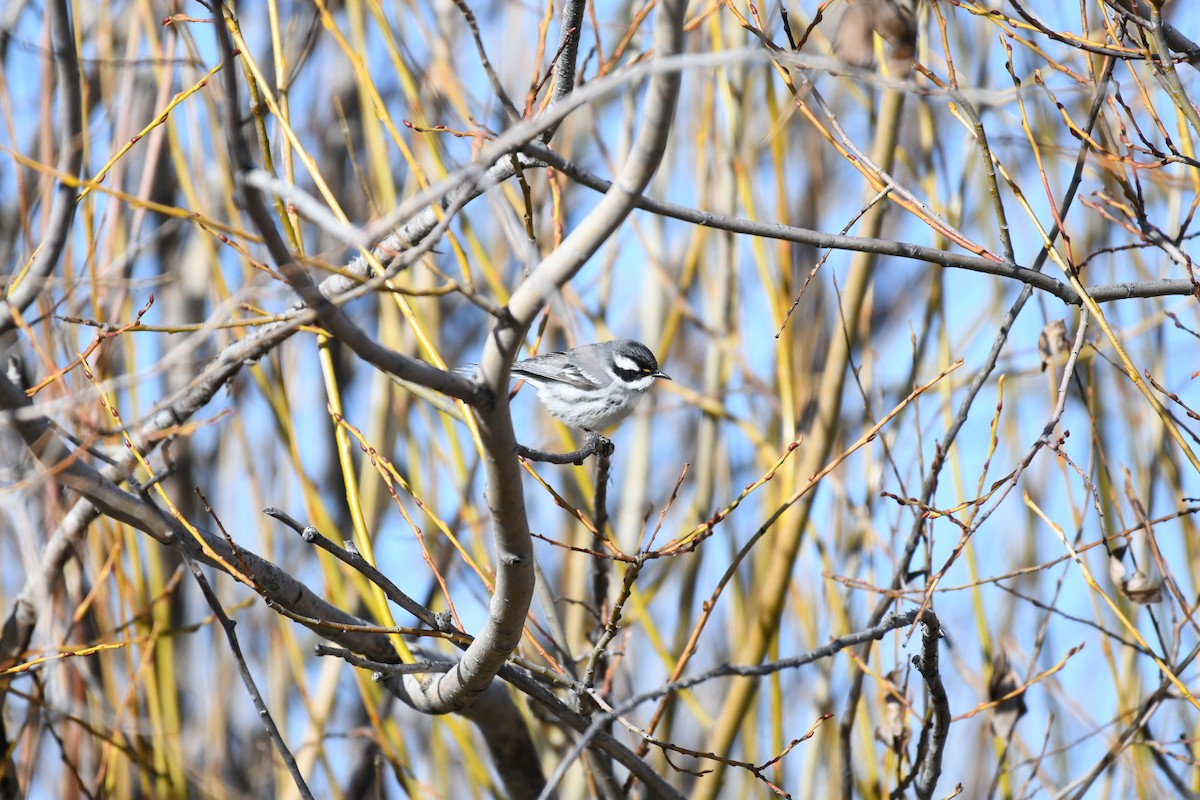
x: 626, y: 364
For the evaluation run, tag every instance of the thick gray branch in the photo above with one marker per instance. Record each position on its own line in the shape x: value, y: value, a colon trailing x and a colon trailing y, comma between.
x: 504, y: 492
x: 934, y: 741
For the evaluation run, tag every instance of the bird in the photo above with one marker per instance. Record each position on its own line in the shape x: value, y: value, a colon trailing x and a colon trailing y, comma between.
x: 594, y: 386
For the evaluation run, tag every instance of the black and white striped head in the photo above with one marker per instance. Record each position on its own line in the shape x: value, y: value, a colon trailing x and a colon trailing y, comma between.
x: 632, y: 363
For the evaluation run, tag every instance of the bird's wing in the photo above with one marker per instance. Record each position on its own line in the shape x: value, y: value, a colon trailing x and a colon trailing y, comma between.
x: 558, y: 368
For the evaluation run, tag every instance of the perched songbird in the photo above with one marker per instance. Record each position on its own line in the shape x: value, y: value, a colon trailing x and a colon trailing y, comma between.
x: 593, y: 386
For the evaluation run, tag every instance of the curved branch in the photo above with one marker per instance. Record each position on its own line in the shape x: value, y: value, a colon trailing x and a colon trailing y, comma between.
x: 180, y: 406
x: 570, y: 719
x: 41, y: 580
x: 504, y: 492
x: 70, y: 161
x: 499, y: 720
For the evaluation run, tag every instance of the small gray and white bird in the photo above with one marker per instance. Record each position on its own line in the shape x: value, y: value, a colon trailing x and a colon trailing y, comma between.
x: 594, y: 386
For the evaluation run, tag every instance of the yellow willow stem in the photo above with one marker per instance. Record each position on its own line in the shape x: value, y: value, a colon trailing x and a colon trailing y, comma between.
x: 154, y: 123
x: 362, y: 538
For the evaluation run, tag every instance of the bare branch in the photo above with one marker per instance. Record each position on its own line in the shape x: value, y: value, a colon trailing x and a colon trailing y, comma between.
x: 1102, y: 293
x: 918, y: 531
x: 504, y: 493
x: 933, y: 738
x: 356, y: 561
x: 594, y: 445
x: 871, y: 634
x: 276, y: 585
x: 331, y: 316
x: 70, y: 160
x: 227, y: 625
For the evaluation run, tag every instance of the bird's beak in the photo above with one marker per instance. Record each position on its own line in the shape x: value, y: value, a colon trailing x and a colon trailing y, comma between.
x: 661, y: 374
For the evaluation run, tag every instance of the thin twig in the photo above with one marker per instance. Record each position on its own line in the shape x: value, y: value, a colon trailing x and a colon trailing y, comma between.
x: 917, y: 533
x: 227, y: 625
x: 354, y: 559
x: 871, y: 634
x: 381, y: 667
x: 505, y: 101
